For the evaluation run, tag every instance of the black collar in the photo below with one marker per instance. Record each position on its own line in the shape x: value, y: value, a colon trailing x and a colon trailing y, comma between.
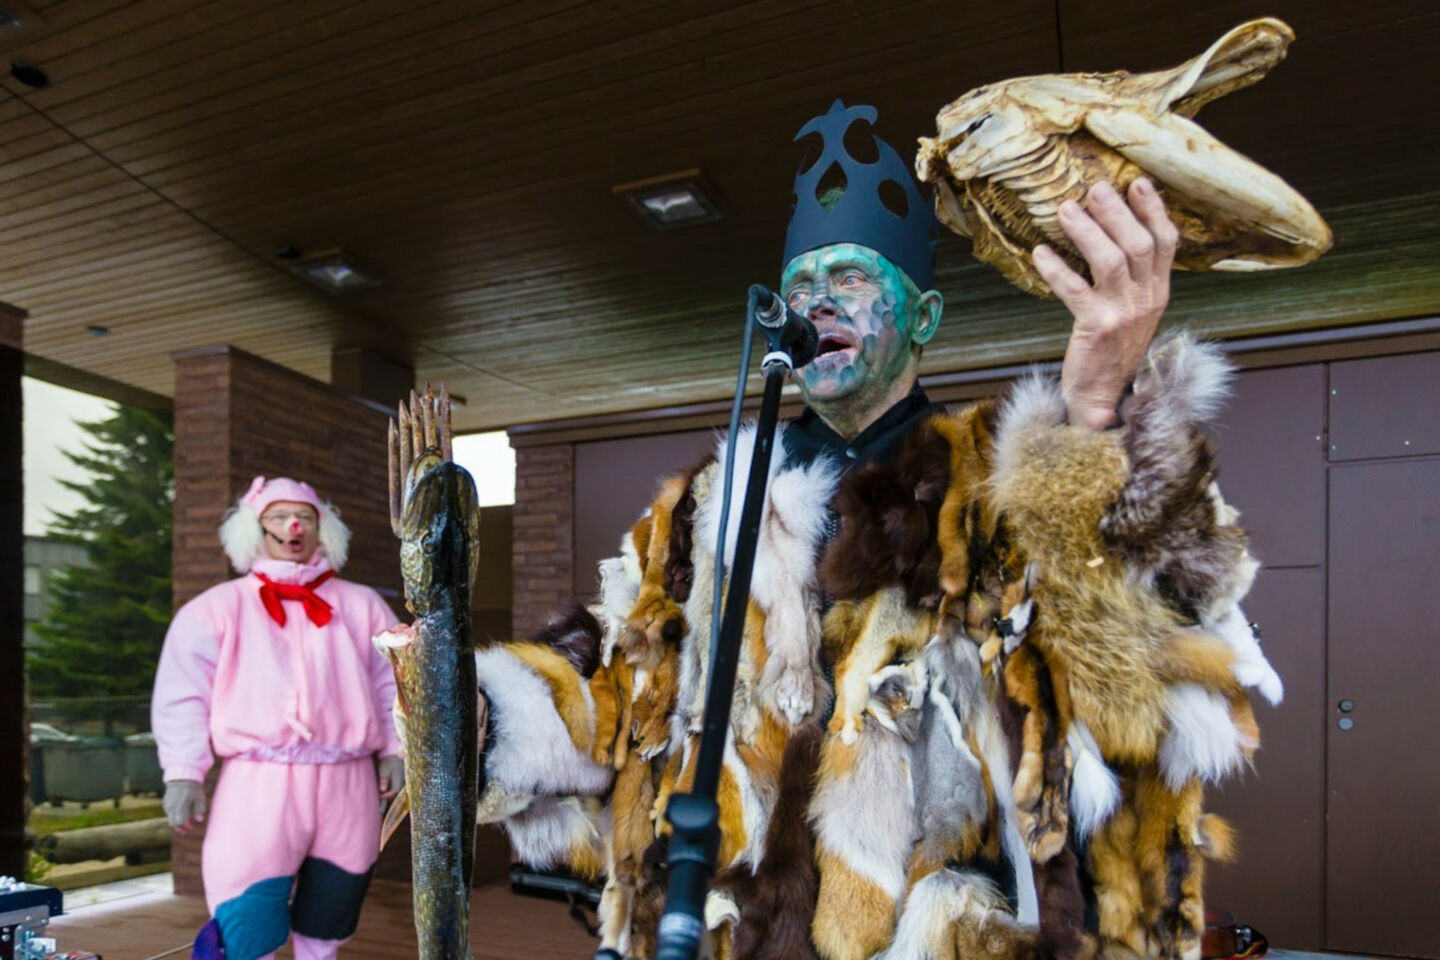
x: 809, y: 436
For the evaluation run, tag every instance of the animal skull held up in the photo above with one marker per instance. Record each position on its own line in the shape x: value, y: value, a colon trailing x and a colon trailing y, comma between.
x: 1007, y: 155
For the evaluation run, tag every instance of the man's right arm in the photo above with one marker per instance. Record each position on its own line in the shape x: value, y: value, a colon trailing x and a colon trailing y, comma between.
x: 180, y: 712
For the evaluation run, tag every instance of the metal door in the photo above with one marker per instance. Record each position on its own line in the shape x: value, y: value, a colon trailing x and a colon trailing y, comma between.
x: 1383, y: 713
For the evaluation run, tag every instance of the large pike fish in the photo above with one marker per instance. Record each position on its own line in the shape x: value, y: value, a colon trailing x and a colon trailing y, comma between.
x: 433, y: 510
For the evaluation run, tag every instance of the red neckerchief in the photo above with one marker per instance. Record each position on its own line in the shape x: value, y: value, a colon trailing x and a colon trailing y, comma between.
x: 271, y: 593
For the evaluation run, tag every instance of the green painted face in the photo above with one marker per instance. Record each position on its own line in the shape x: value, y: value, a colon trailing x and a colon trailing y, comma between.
x: 870, y: 317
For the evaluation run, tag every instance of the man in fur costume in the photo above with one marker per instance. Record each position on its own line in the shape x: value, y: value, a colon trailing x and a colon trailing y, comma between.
x: 991, y: 655
x: 275, y: 672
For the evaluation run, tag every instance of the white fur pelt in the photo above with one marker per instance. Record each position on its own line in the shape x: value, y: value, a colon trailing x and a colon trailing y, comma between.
x: 793, y: 524
x: 699, y: 609
x: 244, y: 539
x: 619, y: 586
x: 954, y: 913
x: 530, y: 750
x: 783, y: 582
x: 1202, y: 741
x: 995, y: 754
x: 550, y: 830
x: 1094, y: 787
x: 1251, y: 667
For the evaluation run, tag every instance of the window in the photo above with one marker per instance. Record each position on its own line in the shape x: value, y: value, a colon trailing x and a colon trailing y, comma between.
x: 489, y: 459
x: 33, y: 581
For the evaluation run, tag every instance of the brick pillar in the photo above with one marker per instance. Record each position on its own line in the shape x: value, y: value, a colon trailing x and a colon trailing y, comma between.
x: 14, y: 724
x: 236, y: 416
x: 544, y: 546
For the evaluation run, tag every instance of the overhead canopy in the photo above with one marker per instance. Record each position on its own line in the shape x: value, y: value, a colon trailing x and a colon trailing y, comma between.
x: 465, y: 154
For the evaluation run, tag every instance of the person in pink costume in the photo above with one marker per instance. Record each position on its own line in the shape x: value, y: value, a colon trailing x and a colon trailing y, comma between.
x: 275, y: 673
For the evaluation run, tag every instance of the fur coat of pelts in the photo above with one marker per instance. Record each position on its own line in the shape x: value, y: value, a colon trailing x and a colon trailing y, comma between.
x: 980, y: 690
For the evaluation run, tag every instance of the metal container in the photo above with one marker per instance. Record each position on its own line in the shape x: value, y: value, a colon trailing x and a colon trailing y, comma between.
x: 85, y: 769
x: 142, y: 765
x: 41, y: 735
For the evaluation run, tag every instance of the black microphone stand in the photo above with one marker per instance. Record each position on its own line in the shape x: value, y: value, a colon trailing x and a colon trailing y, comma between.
x: 695, y: 816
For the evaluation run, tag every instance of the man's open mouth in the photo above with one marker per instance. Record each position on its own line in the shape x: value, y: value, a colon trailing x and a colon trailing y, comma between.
x: 832, y: 343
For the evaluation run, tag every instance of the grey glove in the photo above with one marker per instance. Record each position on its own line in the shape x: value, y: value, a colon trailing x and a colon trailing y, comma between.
x: 184, y: 803
x: 391, y: 771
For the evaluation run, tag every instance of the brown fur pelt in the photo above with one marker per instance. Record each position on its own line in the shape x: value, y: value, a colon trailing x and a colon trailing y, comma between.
x: 576, y: 635
x: 679, y: 565
x: 1148, y: 866
x: 611, y: 689
x: 656, y: 620
x: 1168, y: 521
x: 655, y: 694
x: 777, y: 901
x: 889, y: 516
x: 967, y: 519
x: 1062, y: 909
x: 632, y: 831
x: 1171, y: 866
x: 1042, y: 778
x: 864, y: 637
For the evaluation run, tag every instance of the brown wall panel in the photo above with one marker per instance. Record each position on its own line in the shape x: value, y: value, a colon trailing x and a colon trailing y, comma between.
x: 1272, y: 467
x: 1385, y: 407
x: 1278, y: 809
x: 493, y: 587
x: 614, y: 482
x: 1272, y: 462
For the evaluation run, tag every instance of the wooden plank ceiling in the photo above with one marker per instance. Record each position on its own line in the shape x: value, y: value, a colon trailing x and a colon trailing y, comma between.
x: 465, y: 151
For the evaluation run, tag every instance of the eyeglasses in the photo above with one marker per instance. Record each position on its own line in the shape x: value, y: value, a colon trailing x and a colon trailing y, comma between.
x: 283, y: 518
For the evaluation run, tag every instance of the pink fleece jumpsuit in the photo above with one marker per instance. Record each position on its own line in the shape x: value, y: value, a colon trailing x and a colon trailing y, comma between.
x: 298, y: 712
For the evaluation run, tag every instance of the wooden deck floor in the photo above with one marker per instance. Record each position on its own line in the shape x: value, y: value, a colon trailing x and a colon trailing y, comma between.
x: 504, y: 926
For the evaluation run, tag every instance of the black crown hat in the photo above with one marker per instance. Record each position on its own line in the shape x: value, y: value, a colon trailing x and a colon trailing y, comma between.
x: 881, y: 206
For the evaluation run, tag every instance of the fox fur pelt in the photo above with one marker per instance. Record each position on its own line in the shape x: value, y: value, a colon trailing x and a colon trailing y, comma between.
x: 1132, y: 558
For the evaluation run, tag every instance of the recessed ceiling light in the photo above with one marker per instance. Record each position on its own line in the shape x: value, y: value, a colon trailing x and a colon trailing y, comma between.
x: 333, y: 271
x: 673, y: 200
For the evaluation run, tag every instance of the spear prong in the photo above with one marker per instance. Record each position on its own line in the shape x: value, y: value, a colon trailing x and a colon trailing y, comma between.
x: 392, y: 447
x: 432, y: 430
x: 406, y: 452
x: 417, y: 428
x: 447, y: 436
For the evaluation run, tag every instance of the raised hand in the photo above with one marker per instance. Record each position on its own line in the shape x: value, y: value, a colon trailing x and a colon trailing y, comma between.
x: 1130, y: 249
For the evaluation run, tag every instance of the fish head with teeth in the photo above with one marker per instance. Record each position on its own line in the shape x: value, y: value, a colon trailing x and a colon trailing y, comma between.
x: 292, y: 530
x: 872, y: 322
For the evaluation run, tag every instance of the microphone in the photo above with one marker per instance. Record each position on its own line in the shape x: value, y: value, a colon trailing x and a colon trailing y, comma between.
x: 785, y: 330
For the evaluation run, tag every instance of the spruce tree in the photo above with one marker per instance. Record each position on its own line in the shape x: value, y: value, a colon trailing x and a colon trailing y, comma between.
x: 102, y: 635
